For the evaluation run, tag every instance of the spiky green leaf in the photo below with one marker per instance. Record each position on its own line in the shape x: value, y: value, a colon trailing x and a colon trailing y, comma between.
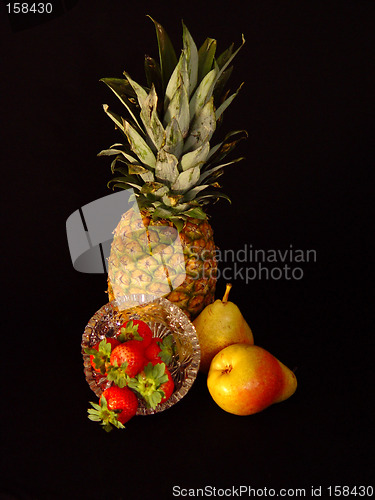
x: 166, y: 167
x: 137, y: 169
x: 124, y: 170
x: 138, y: 89
x: 225, y: 64
x: 151, y: 121
x: 178, y: 108
x: 220, y: 110
x: 179, y: 77
x: 196, y: 213
x: 220, y: 84
x: 178, y: 222
x: 119, y: 152
x: 203, y: 93
x: 124, y: 179
x: 171, y: 200
x: 182, y: 207
x: 224, y: 57
x: 117, y: 119
x: 206, y: 56
x: 125, y: 93
x: 191, y: 53
x: 153, y: 75
x: 146, y: 174
x: 167, y: 54
x: 139, y: 146
x: 174, y: 141
x: 214, y: 194
x: 192, y: 194
x: 203, y: 127
x: 161, y: 212
x: 155, y: 188
x: 196, y: 157
x: 109, y: 152
x: 122, y: 185
x: 186, y: 180
x: 221, y: 150
x: 210, y: 171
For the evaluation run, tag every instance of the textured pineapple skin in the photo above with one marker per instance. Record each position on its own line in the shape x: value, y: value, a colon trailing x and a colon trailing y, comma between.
x: 132, y: 268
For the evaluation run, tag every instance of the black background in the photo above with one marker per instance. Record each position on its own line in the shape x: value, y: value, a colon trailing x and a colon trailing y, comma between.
x: 307, y: 104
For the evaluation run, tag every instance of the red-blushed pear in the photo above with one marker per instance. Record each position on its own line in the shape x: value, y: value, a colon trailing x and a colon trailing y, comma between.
x: 219, y: 325
x: 245, y: 379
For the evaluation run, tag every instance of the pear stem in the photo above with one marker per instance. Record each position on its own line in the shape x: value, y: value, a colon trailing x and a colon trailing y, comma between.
x: 226, y: 294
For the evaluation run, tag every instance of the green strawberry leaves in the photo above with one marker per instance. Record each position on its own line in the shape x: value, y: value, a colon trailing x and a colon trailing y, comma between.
x: 117, y: 374
x: 101, y: 355
x: 101, y: 413
x: 147, y: 383
x: 167, y: 347
x: 129, y: 332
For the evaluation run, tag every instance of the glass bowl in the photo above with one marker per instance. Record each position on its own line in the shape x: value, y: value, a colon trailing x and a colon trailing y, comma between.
x: 163, y: 318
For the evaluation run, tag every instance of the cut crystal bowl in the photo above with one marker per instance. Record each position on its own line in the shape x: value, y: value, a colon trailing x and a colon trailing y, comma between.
x: 163, y: 318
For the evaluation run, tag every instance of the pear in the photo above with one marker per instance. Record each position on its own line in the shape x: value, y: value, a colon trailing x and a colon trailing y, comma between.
x: 289, y: 383
x: 246, y: 379
x: 219, y: 325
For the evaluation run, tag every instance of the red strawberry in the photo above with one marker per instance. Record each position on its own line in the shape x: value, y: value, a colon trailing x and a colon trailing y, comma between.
x: 152, y: 350
x: 116, y: 406
x: 161, y: 349
x: 135, y: 330
x: 126, y: 361
x: 167, y: 387
x: 100, y: 354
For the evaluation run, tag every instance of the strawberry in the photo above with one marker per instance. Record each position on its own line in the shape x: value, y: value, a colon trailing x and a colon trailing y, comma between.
x: 135, y: 330
x: 154, y: 384
x: 116, y: 407
x: 100, y: 354
x: 153, y: 350
x: 161, y: 349
x: 167, y: 387
x: 127, y: 359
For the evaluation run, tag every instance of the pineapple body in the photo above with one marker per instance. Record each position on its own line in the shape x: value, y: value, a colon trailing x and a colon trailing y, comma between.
x: 143, y: 260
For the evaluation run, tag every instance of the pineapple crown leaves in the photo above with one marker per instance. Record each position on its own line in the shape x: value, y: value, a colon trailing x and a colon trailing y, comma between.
x: 148, y: 382
x: 169, y: 125
x: 129, y: 332
x: 101, y: 413
x: 101, y: 355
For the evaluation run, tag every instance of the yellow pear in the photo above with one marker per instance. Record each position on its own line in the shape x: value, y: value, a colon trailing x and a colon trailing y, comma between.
x: 246, y: 379
x: 219, y: 325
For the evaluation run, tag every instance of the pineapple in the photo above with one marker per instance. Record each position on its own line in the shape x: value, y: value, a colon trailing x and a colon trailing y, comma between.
x: 167, y: 159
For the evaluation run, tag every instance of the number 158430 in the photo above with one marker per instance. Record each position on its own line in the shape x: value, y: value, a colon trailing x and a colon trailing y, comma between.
x: 32, y: 8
